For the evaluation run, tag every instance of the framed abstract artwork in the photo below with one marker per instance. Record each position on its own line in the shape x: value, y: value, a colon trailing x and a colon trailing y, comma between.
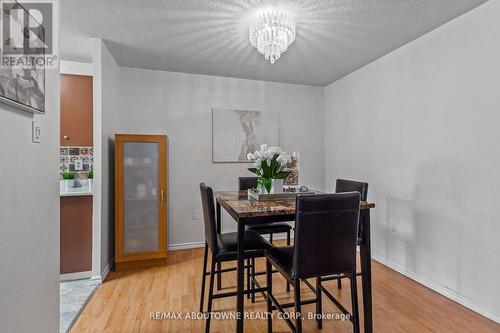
x: 23, y: 88
x: 235, y: 133
x: 22, y: 82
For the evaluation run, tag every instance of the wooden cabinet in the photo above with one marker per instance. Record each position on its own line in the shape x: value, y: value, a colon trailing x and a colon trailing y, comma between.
x: 76, y: 110
x: 140, y: 200
x: 76, y: 234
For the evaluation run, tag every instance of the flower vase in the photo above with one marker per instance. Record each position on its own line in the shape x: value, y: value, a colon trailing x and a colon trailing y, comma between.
x: 69, y: 184
x: 261, y: 189
x: 277, y: 186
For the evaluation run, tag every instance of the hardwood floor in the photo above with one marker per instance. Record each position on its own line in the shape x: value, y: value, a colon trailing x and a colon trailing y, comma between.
x: 126, y: 300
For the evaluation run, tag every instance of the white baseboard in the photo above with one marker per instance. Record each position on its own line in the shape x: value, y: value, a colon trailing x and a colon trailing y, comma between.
x: 102, y: 277
x: 195, y: 245
x: 183, y: 246
x: 75, y: 276
x: 451, y: 294
x: 105, y: 272
x: 96, y: 280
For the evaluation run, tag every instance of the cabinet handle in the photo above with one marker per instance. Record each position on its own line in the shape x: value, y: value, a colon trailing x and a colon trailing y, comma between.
x: 162, y: 196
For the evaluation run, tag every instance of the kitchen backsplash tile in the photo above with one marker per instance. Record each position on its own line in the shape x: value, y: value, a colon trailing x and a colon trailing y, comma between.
x: 75, y: 150
x: 68, y: 156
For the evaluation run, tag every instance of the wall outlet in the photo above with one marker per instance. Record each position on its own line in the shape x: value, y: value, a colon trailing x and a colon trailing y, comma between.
x: 196, y: 214
x: 78, y: 164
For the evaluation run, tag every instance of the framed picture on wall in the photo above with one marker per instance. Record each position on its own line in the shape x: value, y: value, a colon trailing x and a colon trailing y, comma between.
x: 22, y: 71
x: 235, y: 133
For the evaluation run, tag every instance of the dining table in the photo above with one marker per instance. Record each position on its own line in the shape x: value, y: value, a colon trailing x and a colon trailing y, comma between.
x: 245, y: 210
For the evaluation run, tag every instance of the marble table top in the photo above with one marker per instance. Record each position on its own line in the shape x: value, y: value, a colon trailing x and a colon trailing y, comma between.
x: 239, y: 205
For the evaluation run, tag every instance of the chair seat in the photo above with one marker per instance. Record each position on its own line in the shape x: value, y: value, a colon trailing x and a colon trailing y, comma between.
x: 281, y: 258
x: 227, y: 245
x: 268, y: 228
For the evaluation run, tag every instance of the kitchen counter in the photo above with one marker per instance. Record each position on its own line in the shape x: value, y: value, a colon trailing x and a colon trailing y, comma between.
x: 75, y: 192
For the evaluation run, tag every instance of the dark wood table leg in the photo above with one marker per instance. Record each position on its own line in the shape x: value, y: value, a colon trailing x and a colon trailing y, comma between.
x: 366, y: 270
x: 240, y: 280
x: 218, y: 219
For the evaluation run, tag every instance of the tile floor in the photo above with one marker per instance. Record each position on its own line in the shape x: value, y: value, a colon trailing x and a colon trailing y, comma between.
x: 73, y: 297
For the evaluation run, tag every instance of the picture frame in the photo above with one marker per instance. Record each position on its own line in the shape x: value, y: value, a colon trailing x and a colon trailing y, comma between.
x: 235, y: 133
x: 22, y: 86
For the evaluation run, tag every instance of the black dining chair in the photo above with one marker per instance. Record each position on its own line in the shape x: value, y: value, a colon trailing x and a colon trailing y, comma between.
x: 223, y: 248
x: 344, y: 185
x: 265, y: 228
x: 326, y: 233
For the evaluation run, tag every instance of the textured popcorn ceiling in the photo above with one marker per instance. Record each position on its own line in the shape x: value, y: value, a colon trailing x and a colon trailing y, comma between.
x: 333, y: 39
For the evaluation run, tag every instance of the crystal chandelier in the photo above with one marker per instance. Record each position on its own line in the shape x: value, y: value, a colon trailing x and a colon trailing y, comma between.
x: 271, y: 33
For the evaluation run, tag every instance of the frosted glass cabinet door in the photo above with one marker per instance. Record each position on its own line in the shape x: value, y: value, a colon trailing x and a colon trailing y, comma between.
x: 141, y: 200
x: 141, y: 197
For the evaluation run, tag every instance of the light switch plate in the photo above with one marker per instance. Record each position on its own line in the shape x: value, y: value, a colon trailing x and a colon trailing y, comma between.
x: 36, y: 132
x: 196, y: 214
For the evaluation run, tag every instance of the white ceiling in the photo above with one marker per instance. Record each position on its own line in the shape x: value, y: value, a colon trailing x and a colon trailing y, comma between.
x: 334, y: 37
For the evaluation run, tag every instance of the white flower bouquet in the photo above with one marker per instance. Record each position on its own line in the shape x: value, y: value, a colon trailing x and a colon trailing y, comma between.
x: 269, y: 164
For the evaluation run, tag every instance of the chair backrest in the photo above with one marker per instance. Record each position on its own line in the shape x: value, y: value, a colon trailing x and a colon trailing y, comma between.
x: 207, y: 202
x: 344, y: 185
x: 326, y: 229
x: 246, y: 183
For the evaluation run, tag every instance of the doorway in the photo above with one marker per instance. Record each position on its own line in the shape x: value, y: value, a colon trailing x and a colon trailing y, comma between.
x: 78, y: 244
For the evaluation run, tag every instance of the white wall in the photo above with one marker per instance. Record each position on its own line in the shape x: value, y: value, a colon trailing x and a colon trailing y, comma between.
x: 29, y: 217
x: 180, y: 105
x: 106, y: 87
x: 421, y: 126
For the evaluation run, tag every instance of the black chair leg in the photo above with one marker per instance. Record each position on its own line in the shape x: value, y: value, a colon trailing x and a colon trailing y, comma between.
x: 203, y: 277
x: 288, y: 243
x: 219, y: 277
x: 210, y: 296
x: 271, y: 238
x: 269, y: 282
x: 354, y: 302
x: 252, y: 280
x: 339, y: 283
x: 298, y: 311
x: 319, y: 304
x: 248, y: 277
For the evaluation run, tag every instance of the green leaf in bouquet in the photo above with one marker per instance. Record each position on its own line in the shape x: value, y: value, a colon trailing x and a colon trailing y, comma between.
x: 283, y: 174
x: 254, y: 170
x: 274, y: 165
x: 266, y: 170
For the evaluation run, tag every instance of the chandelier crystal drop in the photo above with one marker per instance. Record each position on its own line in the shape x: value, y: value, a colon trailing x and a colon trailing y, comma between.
x: 271, y: 33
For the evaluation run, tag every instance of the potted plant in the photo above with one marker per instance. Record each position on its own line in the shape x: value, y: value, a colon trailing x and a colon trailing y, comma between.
x: 90, y: 177
x: 69, y: 179
x: 269, y: 164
